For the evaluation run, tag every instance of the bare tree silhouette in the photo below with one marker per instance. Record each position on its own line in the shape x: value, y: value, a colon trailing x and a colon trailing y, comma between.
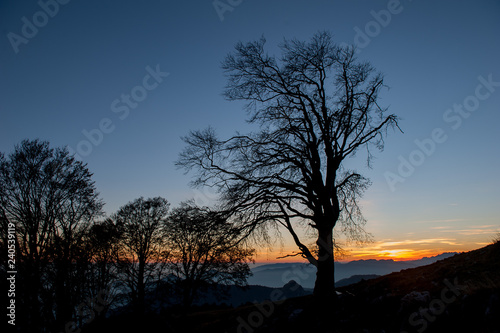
x: 51, y: 199
x: 206, y: 250
x: 102, y: 244
x: 315, y: 106
x: 142, y: 253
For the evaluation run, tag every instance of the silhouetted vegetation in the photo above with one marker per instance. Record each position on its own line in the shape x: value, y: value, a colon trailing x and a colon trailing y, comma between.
x: 52, y: 201
x: 316, y: 106
x: 74, y: 265
x: 148, y: 267
x: 496, y: 239
x: 103, y: 244
x: 142, y: 253
x: 458, y: 294
x: 206, y: 251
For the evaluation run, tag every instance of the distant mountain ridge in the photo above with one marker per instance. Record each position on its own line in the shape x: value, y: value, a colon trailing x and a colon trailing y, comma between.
x: 460, y: 293
x: 276, y: 275
x: 355, y: 279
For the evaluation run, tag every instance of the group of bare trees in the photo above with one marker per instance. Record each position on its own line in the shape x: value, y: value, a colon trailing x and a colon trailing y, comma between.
x: 73, y: 263
x: 51, y: 200
x: 314, y: 107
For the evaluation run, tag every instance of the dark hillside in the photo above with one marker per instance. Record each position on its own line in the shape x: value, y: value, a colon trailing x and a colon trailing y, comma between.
x: 474, y: 270
x: 457, y: 294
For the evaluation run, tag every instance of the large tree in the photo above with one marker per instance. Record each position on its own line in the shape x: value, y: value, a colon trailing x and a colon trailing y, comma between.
x: 314, y: 107
x: 206, y: 250
x: 51, y: 200
x: 142, y: 252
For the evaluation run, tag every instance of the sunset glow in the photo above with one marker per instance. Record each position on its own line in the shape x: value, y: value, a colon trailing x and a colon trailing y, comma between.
x: 165, y: 166
x: 425, y: 198
x: 409, y: 249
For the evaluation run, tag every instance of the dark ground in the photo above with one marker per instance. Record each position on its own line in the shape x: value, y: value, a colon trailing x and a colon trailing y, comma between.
x: 458, y: 294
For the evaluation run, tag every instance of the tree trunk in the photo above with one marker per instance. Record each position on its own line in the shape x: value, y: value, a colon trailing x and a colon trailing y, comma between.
x: 141, y: 289
x: 324, y: 286
x: 187, y: 299
x: 325, y: 302
x: 32, y: 304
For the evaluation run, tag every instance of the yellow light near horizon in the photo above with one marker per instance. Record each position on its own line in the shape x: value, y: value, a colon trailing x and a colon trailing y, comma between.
x: 360, y: 254
x: 398, y: 254
x: 397, y: 250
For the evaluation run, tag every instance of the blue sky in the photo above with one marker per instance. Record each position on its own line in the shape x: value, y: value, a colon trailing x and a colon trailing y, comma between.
x: 61, y: 80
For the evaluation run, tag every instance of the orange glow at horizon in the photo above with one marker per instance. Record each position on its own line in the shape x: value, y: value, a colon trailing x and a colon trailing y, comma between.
x: 395, y: 250
x: 396, y: 255
x: 414, y: 245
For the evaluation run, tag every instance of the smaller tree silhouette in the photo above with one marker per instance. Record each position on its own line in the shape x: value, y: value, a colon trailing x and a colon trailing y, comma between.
x: 206, y: 250
x: 52, y: 201
x: 102, y: 244
x: 142, y: 253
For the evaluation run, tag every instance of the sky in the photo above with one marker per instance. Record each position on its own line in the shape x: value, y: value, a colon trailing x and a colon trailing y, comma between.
x: 120, y: 83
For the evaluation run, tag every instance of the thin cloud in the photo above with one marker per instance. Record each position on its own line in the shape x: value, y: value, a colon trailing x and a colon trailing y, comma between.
x: 475, y: 230
x: 449, y: 241
x: 440, y: 221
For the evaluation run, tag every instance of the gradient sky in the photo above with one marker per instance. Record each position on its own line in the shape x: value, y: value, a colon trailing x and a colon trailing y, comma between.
x: 70, y: 75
